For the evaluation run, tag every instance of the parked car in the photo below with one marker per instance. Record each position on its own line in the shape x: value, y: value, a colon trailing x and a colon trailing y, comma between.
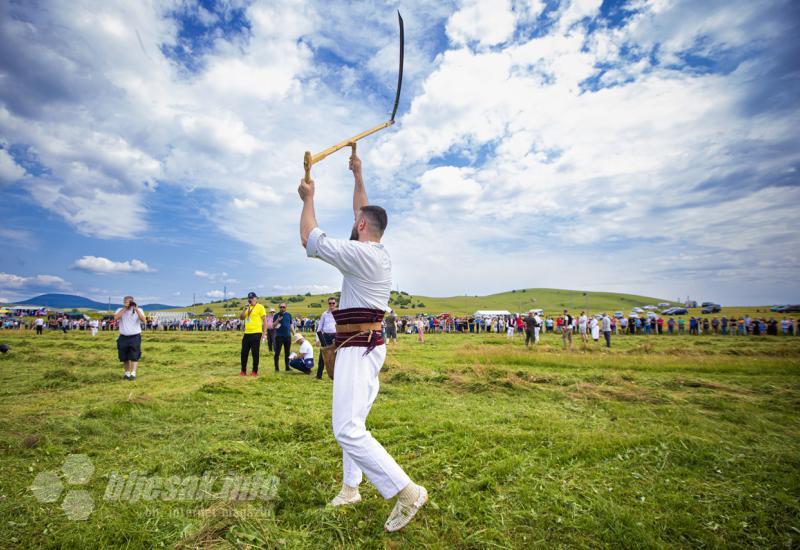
x: 777, y: 308
x: 713, y: 308
x: 675, y: 311
x: 706, y: 304
x: 650, y: 307
x: 663, y: 304
x: 637, y: 310
x: 794, y: 308
x: 652, y: 315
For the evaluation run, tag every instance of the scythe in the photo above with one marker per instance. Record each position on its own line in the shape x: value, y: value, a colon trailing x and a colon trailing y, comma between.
x: 309, y: 160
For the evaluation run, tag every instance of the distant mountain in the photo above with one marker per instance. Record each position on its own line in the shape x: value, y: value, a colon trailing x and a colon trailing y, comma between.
x: 70, y: 301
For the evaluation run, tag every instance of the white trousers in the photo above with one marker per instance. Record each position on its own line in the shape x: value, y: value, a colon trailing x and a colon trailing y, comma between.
x: 355, y: 387
x: 94, y: 332
x: 536, y: 334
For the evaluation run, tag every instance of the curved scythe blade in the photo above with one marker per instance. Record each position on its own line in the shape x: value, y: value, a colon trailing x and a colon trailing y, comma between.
x: 400, y: 73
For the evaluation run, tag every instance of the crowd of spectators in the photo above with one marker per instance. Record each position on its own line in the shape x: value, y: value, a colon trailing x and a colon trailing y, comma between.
x: 716, y: 325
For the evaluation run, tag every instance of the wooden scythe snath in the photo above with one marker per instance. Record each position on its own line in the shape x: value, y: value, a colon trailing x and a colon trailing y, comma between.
x: 309, y: 160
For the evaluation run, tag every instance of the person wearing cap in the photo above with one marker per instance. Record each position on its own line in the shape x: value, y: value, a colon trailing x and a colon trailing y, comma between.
x: 255, y: 330
x: 282, y: 322
x: 304, y: 360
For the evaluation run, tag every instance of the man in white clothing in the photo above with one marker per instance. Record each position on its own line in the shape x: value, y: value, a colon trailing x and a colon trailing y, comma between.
x: 582, y: 320
x: 326, y: 332
x: 304, y: 359
x: 93, y: 324
x: 129, y: 343
x: 366, y: 285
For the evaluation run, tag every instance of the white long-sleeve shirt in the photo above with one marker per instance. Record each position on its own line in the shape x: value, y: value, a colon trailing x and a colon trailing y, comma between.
x: 327, y: 323
x: 365, y: 267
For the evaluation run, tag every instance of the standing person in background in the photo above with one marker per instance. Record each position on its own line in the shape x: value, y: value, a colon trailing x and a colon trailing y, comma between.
x: 93, y: 324
x: 391, y: 326
x: 326, y: 332
x: 129, y: 318
x: 530, y: 324
x: 270, y: 329
x: 420, y: 330
x: 255, y: 330
x: 282, y: 322
x: 39, y: 325
x: 594, y: 326
x: 566, y: 330
x: 582, y: 322
x: 606, y: 326
x: 510, y: 327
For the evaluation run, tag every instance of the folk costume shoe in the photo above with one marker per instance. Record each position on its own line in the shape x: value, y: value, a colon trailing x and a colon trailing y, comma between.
x: 409, y: 501
x: 347, y: 496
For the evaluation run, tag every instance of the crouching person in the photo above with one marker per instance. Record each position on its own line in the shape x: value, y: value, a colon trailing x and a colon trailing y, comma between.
x: 304, y: 360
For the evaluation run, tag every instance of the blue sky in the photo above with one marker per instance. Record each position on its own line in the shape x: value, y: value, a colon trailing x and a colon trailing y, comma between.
x: 154, y: 148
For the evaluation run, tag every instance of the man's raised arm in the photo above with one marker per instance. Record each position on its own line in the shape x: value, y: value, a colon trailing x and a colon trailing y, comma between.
x: 308, y: 219
x: 359, y: 193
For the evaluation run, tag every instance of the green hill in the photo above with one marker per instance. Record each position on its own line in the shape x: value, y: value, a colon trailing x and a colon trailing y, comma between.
x: 549, y: 299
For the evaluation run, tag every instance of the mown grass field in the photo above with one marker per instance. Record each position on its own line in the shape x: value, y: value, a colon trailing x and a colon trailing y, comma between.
x: 660, y: 442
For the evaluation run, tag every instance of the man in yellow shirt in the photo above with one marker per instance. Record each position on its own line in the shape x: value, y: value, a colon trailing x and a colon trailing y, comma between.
x: 255, y: 330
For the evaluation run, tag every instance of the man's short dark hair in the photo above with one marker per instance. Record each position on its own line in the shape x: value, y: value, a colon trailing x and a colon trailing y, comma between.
x: 376, y: 217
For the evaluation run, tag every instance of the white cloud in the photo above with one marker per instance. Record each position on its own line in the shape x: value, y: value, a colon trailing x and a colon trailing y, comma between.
x: 100, y: 265
x: 507, y: 136
x: 15, y: 284
x: 215, y: 294
x: 222, y: 277
x: 487, y: 22
x: 666, y: 155
x: 10, y: 171
x: 19, y: 237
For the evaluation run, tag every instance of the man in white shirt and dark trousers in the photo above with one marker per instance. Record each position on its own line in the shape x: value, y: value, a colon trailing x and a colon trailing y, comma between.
x: 129, y: 343
x: 366, y: 285
x: 326, y: 332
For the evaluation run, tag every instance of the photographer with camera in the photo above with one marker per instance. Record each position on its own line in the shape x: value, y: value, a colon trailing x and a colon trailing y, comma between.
x: 129, y: 343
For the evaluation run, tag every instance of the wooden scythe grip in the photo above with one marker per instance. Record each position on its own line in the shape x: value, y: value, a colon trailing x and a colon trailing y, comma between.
x: 353, y: 145
x: 307, y: 165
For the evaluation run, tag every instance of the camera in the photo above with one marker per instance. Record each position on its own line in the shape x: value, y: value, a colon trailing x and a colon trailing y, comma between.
x: 132, y: 304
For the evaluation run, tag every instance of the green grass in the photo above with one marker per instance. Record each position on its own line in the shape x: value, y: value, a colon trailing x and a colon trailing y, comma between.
x: 659, y: 442
x: 552, y: 301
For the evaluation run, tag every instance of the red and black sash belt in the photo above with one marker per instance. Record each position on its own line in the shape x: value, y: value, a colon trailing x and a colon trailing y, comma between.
x: 358, y: 316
